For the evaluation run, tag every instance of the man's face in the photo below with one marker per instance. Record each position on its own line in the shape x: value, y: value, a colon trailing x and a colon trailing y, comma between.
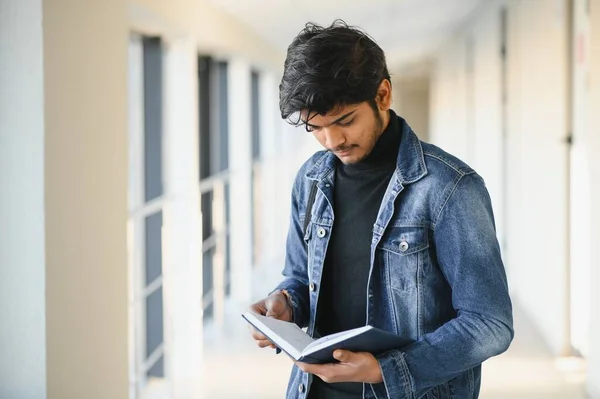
x: 349, y: 132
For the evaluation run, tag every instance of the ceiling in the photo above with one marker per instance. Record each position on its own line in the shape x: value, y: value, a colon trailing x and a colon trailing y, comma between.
x: 407, y: 30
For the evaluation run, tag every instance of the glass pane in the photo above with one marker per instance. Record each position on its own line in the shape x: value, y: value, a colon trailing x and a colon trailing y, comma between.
x: 207, y: 281
x: 158, y: 370
x: 207, y: 272
x: 154, y: 321
x: 204, y: 93
x: 255, y: 103
x: 223, y: 129
x: 153, y: 247
x: 207, y: 219
x: 227, y: 243
x: 152, y: 118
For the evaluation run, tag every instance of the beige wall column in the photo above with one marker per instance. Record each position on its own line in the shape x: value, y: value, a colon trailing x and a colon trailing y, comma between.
x: 86, y: 171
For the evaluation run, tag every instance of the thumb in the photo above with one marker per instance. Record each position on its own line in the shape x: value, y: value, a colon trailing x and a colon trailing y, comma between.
x: 343, y: 356
x: 273, y: 311
x: 274, y: 308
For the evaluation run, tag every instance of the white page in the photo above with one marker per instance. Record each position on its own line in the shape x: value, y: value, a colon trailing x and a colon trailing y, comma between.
x: 333, y: 338
x: 288, y: 336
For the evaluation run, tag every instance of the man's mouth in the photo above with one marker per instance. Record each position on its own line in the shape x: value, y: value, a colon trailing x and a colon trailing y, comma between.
x: 344, y: 151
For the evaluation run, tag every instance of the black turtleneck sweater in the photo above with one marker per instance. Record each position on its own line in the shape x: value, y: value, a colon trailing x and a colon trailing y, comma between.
x: 358, y: 192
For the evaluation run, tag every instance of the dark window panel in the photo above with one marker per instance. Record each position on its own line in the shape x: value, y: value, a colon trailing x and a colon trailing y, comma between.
x: 207, y: 214
x: 204, y: 93
x: 223, y: 128
x: 209, y: 312
x: 154, y: 321
x: 158, y: 370
x: 255, y: 109
x: 152, y: 51
x: 153, y: 247
x: 207, y: 271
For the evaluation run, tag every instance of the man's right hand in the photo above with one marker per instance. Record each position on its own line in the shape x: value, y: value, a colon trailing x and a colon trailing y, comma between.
x: 275, y: 305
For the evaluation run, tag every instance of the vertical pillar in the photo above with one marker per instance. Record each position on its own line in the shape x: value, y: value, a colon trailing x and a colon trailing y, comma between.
x: 86, y: 176
x: 22, y: 247
x: 240, y: 164
x: 182, y: 235
x: 594, y: 148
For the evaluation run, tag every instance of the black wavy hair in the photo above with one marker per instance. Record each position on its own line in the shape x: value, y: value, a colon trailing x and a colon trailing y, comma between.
x: 330, y: 67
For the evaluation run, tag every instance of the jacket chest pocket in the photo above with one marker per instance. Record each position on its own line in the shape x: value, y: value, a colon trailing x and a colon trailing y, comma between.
x: 403, y: 250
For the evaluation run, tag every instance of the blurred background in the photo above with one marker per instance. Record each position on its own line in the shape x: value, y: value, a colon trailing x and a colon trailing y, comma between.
x: 145, y: 180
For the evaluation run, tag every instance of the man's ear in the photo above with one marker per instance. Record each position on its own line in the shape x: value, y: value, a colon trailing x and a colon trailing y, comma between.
x: 383, y: 98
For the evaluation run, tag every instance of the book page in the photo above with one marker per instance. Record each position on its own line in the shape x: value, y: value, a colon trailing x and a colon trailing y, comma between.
x: 288, y: 336
x: 329, y: 339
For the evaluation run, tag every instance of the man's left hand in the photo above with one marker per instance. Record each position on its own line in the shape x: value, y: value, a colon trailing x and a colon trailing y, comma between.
x: 352, y: 367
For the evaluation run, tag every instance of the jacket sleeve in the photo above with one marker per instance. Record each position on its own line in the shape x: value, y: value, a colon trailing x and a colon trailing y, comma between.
x: 468, y: 254
x: 296, y: 261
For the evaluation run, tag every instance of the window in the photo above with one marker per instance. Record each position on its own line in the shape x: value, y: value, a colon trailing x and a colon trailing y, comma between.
x: 213, y: 89
x: 256, y: 169
x: 146, y: 202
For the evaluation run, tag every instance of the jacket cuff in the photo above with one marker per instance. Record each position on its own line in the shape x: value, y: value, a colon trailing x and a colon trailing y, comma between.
x: 397, y: 381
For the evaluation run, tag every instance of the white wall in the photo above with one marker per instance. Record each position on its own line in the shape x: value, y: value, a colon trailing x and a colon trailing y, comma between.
x: 485, y: 104
x: 593, y: 147
x: 448, y: 102
x: 580, y: 185
x: 537, y: 244
x: 22, y: 274
x: 411, y: 101
x: 466, y: 100
x: 466, y: 120
x: 86, y: 171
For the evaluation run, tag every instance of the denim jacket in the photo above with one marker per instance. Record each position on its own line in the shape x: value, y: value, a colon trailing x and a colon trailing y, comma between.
x: 436, y: 274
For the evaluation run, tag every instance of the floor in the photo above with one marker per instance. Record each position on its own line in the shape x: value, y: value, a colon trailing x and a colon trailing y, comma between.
x: 236, y: 368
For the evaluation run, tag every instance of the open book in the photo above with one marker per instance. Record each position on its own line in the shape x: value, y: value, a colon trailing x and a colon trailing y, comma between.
x: 300, y: 346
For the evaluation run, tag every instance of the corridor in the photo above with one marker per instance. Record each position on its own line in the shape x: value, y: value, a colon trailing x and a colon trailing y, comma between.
x: 146, y: 175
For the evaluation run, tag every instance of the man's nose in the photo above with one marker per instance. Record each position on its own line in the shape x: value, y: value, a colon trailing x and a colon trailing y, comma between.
x: 334, y: 138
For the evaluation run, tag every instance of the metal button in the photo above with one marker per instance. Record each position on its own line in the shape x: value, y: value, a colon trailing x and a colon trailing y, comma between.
x: 403, y: 246
x: 311, y: 286
x: 301, y: 388
x: 321, y: 232
x: 327, y: 185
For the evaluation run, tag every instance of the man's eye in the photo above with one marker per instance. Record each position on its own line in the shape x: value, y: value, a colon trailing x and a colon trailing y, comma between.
x: 310, y: 128
x: 344, y: 124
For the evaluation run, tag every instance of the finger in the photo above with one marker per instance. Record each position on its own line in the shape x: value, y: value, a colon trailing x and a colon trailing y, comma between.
x: 334, y: 373
x: 302, y: 366
x: 259, y: 308
x: 317, y: 369
x: 343, y: 356
x: 263, y: 343
x: 257, y: 335
x: 275, y: 309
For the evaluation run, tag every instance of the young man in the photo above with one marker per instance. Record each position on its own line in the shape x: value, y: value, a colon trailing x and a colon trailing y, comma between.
x: 400, y: 235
